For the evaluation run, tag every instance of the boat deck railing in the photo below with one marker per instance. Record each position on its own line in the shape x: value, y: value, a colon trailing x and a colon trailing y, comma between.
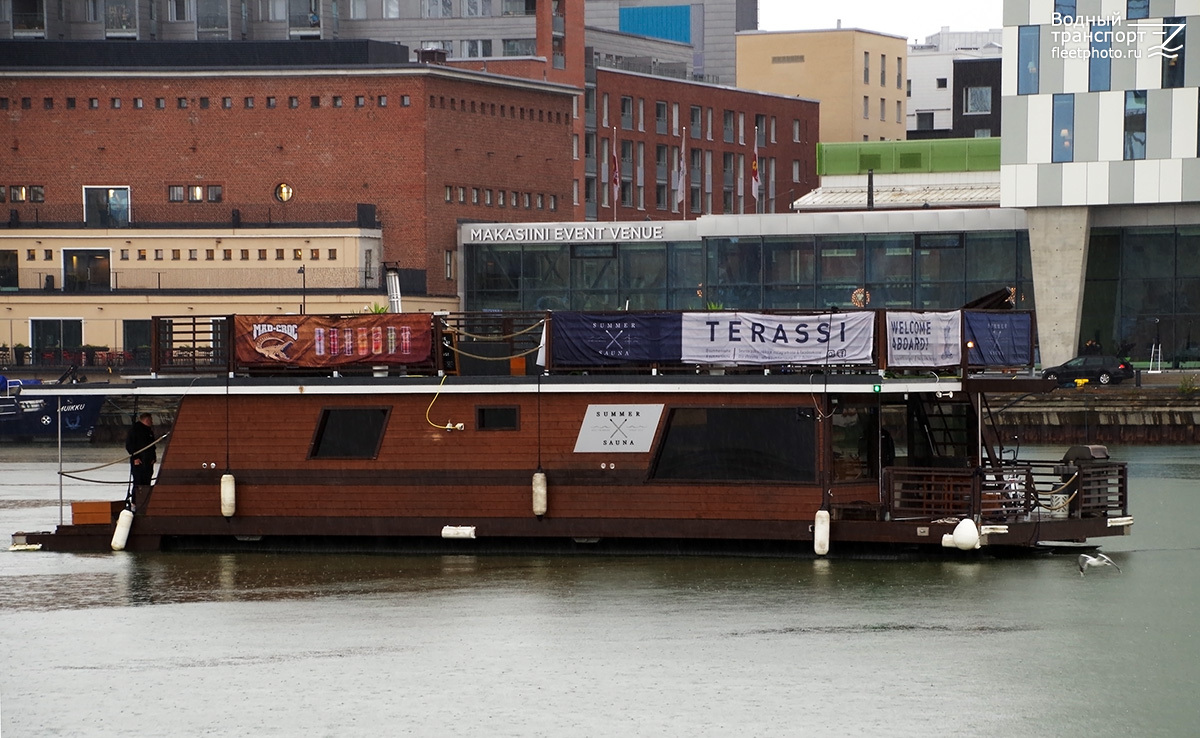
x: 522, y: 343
x: 1008, y: 491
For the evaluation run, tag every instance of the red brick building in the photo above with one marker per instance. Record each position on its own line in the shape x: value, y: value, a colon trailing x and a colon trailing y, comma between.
x: 648, y: 117
x: 287, y: 133
x: 425, y: 146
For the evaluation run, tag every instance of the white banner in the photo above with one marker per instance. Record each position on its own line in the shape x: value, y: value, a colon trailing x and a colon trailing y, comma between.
x: 924, y: 339
x: 730, y: 338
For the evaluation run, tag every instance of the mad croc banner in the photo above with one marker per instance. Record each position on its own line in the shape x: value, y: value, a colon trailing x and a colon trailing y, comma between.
x: 750, y: 338
x: 924, y: 339
x: 315, y: 341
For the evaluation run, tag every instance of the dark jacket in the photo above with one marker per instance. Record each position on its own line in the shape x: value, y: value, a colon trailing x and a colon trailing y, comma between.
x: 140, y: 436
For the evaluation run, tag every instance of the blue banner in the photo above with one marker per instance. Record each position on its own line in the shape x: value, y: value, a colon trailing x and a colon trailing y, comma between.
x: 609, y: 339
x: 998, y: 339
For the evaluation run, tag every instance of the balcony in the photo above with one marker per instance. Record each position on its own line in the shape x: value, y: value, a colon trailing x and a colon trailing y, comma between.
x: 518, y: 7
x: 120, y: 19
x: 304, y: 25
x: 29, y: 25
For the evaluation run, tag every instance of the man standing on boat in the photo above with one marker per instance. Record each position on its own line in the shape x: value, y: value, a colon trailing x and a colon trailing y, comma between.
x: 142, y: 455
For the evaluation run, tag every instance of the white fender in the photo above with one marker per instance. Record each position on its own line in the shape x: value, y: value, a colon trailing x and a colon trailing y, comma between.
x: 228, y: 495
x: 121, y: 532
x: 458, y: 531
x: 966, y: 535
x: 821, y: 533
x: 539, y: 493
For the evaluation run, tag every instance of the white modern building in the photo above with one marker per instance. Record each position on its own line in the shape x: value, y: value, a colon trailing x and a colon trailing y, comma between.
x: 931, y: 73
x: 1100, y: 105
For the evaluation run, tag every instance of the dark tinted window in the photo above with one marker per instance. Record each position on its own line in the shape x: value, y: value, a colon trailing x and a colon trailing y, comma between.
x: 752, y: 444
x: 496, y: 418
x: 349, y: 433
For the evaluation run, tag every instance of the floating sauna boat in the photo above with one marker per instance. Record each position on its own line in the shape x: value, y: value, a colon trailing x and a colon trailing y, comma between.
x: 721, y: 431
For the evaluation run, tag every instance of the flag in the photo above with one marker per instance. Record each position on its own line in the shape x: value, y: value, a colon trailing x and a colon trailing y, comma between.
x: 681, y: 185
x: 616, y: 174
x: 754, y: 180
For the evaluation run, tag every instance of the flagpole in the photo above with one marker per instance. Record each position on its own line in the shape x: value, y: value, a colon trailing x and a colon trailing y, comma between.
x: 755, y: 175
x: 684, y: 189
x: 616, y: 175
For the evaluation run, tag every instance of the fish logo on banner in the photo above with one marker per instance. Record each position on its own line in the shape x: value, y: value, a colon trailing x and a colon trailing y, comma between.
x: 924, y: 339
x: 750, y: 338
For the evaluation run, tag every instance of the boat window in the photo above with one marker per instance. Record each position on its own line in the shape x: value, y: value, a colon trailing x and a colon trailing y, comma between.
x: 349, y: 433
x: 854, y: 438
x: 742, y: 443
x: 496, y: 418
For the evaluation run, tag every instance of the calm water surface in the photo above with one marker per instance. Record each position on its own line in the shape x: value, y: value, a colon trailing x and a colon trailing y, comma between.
x: 337, y: 645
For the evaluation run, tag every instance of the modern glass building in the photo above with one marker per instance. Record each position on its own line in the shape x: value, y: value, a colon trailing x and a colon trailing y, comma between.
x: 928, y: 259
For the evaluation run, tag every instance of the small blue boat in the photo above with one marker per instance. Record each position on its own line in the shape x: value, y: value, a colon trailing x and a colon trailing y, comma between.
x: 33, y: 418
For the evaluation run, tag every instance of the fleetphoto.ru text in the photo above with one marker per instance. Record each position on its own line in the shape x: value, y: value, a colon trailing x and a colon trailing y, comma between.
x: 1103, y: 36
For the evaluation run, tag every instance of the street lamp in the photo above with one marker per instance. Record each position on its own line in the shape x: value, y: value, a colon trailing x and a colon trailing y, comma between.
x: 303, y: 287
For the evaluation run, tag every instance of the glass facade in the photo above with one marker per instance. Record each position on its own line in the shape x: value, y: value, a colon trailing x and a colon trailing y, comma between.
x: 1142, y: 288
x: 789, y: 272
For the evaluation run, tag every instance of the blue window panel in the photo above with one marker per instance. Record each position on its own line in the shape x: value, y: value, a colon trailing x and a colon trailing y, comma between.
x: 1028, y: 59
x: 1135, y: 124
x: 1172, y: 54
x: 1137, y: 9
x: 669, y: 22
x: 1100, y: 63
x: 1064, y: 129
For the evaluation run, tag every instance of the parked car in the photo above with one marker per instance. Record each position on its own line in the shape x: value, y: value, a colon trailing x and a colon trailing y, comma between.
x: 1102, y: 369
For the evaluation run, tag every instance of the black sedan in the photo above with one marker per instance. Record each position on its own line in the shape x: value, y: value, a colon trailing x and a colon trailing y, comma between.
x: 1102, y: 369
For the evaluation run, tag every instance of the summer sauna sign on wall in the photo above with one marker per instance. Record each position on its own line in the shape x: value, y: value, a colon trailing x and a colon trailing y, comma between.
x: 618, y: 428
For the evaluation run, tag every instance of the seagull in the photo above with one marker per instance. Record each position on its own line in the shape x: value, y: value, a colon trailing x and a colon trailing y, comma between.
x: 1098, y: 560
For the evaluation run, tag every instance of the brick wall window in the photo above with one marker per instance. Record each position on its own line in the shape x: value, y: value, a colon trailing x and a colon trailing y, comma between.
x: 175, y: 193
x: 215, y: 193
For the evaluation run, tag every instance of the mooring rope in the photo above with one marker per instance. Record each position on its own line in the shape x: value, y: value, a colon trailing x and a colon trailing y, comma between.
x: 72, y: 473
x: 503, y: 337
